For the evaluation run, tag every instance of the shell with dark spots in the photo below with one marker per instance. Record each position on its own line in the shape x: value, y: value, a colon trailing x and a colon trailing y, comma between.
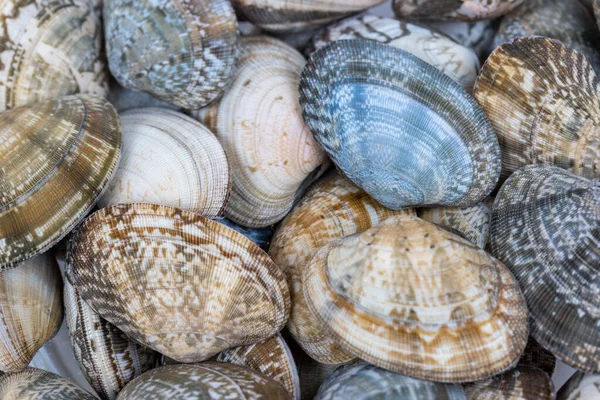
x: 454, y: 10
x: 37, y: 384
x: 522, y: 383
x: 536, y: 356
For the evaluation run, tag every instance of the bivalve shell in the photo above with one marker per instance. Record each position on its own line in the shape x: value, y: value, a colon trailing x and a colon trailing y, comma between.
x: 260, y: 236
x: 37, y: 384
x: 521, y: 383
x: 124, y: 99
x: 580, y: 387
x: 461, y: 10
x: 477, y: 35
x: 536, y: 356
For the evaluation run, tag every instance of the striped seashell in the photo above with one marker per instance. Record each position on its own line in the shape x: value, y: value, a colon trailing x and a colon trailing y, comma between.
x: 543, y: 101
x: 124, y: 99
x: 271, y: 152
x: 476, y: 35
x: 106, y: 356
x: 332, y: 208
x: 536, y: 356
x: 457, y: 62
x: 174, y: 281
x: 455, y: 10
x: 260, y: 236
x: 521, y: 383
x: 182, y: 52
x: 36, y: 384
x: 209, y: 380
x: 40, y: 61
x: 171, y: 159
x: 412, y: 113
x: 30, y: 310
x: 580, y: 387
x: 545, y: 224
x: 413, y: 298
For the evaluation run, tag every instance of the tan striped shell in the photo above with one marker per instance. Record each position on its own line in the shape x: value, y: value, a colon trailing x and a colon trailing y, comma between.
x: 37, y: 384
x: 461, y: 10
x: 521, y: 383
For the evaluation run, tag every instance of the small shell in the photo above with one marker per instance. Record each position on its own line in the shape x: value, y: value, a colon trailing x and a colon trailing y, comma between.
x: 271, y: 358
x: 107, y: 357
x: 260, y: 236
x: 175, y: 281
x: 124, y: 99
x: 258, y: 121
x: 536, y: 356
x: 477, y: 35
x: 36, y: 384
x: 171, y: 159
x: 580, y: 387
x: 209, y: 380
x: 453, y: 10
x: 521, y: 383
x: 49, y: 49
x: 182, y: 52
x: 30, y: 310
x: 428, y: 142
x: 457, y: 62
x: 413, y: 298
x: 545, y: 224
x: 56, y: 158
x: 543, y: 101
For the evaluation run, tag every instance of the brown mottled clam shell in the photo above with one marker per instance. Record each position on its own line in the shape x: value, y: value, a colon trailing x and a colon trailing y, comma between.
x: 37, y: 384
x: 521, y: 383
x: 461, y: 10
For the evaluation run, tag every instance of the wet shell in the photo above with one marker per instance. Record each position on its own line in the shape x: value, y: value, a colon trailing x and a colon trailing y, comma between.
x: 536, y: 356
x: 428, y: 142
x: 49, y: 49
x: 56, y: 157
x: 182, y: 52
x: 30, y: 310
x: 521, y: 383
x: 331, y: 209
x: 367, y: 382
x: 106, y: 356
x: 209, y: 380
x: 36, y: 384
x: 477, y: 35
x: 580, y: 387
x: 177, y: 282
x: 271, y: 358
x: 453, y: 10
x: 457, y: 62
x: 413, y: 298
x: 125, y: 99
x: 545, y: 224
x: 258, y: 121
x: 543, y: 101
x: 260, y: 236
x: 171, y: 159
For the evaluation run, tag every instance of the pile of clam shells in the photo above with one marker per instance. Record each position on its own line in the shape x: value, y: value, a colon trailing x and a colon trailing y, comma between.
x: 300, y: 199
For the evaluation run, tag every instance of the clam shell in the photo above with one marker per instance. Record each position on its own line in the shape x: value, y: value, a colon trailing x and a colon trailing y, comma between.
x: 258, y: 121
x: 413, y: 298
x: 521, y: 383
x: 477, y: 35
x: 454, y: 10
x: 56, y: 157
x: 182, y: 52
x: 260, y: 236
x: 545, y: 224
x: 209, y: 380
x: 124, y: 99
x: 36, y: 384
x: 428, y: 142
x: 536, y: 356
x: 179, y: 283
x: 30, y: 310
x: 457, y: 62
x: 107, y: 357
x: 331, y: 209
x: 171, y: 159
x: 49, y: 49
x: 543, y: 101
x: 580, y: 387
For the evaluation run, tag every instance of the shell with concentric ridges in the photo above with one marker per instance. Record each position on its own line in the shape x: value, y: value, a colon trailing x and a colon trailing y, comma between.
x: 37, y: 384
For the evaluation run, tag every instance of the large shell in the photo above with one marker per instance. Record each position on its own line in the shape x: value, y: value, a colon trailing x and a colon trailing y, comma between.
x: 331, y: 209
x: 36, y: 384
x: 535, y: 355
x: 545, y: 224
x: 209, y: 380
x: 180, y: 51
x: 477, y: 35
x: 56, y: 157
x: 107, y: 357
x: 452, y: 10
x: 171, y: 159
x: 397, y: 127
x: 457, y: 62
x: 177, y: 282
x: 521, y: 383
x: 413, y: 298
x: 580, y: 387
x: 258, y: 121
x: 367, y: 382
x: 30, y: 310
x: 49, y: 49
x: 543, y: 101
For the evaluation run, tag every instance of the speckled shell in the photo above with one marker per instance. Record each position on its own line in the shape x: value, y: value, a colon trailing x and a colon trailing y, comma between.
x: 477, y: 35
x: 271, y: 152
x: 56, y: 158
x: 521, y: 383
x: 209, y: 380
x: 428, y: 142
x: 536, y: 356
x: 124, y: 99
x: 271, y: 358
x: 180, y: 51
x: 545, y: 224
x: 171, y: 159
x: 457, y: 62
x: 367, y: 382
x: 175, y: 281
x: 461, y: 10
x: 106, y: 356
x: 30, y: 310
x: 580, y: 387
x: 413, y: 298
x: 49, y: 49
x: 295, y: 15
x: 543, y: 101
x: 36, y: 384
x: 260, y: 236
x: 331, y: 209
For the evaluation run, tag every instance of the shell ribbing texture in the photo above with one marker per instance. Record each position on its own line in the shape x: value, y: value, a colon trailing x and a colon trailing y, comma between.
x: 453, y: 10
x: 36, y: 384
x: 535, y: 355
x: 580, y: 387
x: 522, y: 383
